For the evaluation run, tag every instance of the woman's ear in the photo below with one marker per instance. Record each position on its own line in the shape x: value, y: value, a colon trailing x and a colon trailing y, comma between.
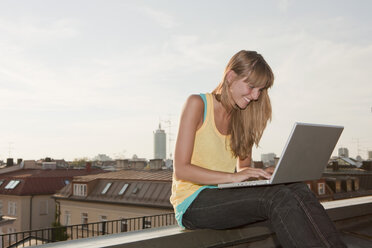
x: 230, y: 76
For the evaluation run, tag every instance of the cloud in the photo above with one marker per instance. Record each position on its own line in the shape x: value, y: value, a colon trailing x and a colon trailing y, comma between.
x: 283, y: 5
x: 31, y: 29
x: 164, y: 19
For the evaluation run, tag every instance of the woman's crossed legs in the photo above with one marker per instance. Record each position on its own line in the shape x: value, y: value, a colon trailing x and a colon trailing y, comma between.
x: 294, y: 212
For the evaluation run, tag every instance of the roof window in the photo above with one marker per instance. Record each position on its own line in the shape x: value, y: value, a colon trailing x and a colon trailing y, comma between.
x: 123, y: 189
x: 135, y: 191
x: 104, y: 191
x: 12, y: 184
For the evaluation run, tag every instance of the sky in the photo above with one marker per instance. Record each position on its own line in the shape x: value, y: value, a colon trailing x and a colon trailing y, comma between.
x: 81, y: 78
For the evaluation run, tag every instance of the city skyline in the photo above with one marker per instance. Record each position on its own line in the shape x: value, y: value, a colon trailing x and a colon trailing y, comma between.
x: 81, y: 78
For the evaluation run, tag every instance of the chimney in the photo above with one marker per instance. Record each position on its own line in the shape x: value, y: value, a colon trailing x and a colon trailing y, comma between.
x: 88, y: 166
x: 9, y: 162
x: 367, y: 165
x: 335, y: 166
x: 19, y: 161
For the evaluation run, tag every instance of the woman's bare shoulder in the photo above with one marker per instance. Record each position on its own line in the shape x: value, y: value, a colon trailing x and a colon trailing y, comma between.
x: 194, y: 109
x: 195, y: 101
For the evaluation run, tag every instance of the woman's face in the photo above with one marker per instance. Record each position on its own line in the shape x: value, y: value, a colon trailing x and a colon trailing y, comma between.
x: 243, y: 93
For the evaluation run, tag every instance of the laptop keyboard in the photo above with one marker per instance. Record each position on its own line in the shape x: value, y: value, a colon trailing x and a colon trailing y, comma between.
x: 242, y: 184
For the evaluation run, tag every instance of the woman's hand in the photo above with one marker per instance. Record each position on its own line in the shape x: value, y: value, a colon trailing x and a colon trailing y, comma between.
x: 270, y: 169
x: 247, y: 173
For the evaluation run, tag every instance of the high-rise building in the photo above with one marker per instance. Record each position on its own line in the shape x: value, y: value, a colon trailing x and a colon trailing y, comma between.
x: 343, y: 152
x: 268, y: 158
x: 160, y: 141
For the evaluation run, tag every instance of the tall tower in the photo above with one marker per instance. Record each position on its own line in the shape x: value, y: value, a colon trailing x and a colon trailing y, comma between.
x: 160, y: 138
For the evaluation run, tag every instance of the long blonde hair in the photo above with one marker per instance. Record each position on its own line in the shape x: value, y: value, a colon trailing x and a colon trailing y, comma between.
x: 246, y: 125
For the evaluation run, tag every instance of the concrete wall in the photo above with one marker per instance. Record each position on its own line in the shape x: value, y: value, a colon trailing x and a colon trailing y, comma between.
x: 111, y: 211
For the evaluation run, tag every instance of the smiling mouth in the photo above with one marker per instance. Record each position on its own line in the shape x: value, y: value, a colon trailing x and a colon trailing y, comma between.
x: 248, y: 101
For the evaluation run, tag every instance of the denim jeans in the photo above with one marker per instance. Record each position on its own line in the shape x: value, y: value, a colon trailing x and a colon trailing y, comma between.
x: 295, y: 214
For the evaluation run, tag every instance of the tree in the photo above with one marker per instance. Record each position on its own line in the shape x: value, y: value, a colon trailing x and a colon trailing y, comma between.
x: 80, y: 162
x: 59, y: 232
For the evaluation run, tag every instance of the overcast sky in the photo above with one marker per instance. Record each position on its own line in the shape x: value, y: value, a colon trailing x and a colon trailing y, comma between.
x: 79, y: 78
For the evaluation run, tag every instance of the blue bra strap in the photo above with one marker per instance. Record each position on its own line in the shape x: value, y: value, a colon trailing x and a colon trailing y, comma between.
x: 205, y: 105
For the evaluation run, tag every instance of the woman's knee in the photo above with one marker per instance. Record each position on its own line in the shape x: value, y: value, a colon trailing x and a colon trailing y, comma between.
x: 279, y: 195
x: 302, y: 191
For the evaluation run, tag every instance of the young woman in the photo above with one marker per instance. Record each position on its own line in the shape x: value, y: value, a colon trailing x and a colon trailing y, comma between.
x: 214, y: 145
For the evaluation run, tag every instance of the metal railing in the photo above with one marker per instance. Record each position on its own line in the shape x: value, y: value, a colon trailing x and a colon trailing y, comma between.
x: 86, y: 230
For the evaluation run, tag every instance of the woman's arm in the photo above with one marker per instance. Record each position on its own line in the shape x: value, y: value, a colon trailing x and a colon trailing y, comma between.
x: 191, y: 121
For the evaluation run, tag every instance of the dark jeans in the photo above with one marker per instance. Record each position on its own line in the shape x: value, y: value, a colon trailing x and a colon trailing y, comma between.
x: 295, y: 214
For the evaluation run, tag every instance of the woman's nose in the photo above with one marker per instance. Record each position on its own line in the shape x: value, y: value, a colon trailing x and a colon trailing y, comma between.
x: 256, y: 94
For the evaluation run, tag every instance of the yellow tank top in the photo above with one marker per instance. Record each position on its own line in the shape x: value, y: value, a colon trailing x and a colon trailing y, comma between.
x: 211, y: 151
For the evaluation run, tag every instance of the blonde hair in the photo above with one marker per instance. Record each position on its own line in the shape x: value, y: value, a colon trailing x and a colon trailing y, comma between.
x: 246, y: 125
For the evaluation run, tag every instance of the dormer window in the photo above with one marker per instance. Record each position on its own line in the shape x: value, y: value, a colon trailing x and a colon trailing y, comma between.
x: 104, y: 191
x: 12, y: 184
x: 80, y: 189
x: 321, y: 188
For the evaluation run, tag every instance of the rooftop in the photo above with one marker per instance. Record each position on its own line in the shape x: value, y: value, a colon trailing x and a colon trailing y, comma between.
x: 37, y: 181
x: 130, y: 174
x: 134, y: 187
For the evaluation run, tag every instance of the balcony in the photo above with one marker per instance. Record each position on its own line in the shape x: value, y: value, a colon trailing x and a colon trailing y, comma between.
x: 353, y: 218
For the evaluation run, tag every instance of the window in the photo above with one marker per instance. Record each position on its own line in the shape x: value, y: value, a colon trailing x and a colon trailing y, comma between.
x: 43, y: 207
x: 80, y: 189
x: 321, y: 188
x: 1, y: 181
x: 123, y: 189
x: 135, y: 190
x: 12, y: 208
x: 12, y: 184
x: 104, y: 191
x: 146, y: 223
x: 13, y: 236
x: 67, y: 218
x: 84, y: 220
x: 1, y: 207
x: 309, y: 185
x: 103, y: 224
x: 124, y: 225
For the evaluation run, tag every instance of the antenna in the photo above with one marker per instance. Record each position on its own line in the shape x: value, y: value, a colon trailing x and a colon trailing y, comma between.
x: 168, y: 125
x: 10, y: 148
x: 356, y: 140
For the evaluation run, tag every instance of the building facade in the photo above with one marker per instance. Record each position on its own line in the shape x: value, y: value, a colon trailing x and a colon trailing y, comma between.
x: 343, y: 152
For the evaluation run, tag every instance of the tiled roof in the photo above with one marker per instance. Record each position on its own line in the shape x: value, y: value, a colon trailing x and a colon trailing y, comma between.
x: 150, y: 188
x: 39, y: 182
x: 154, y: 175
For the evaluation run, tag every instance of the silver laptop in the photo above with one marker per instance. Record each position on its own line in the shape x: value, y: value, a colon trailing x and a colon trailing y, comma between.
x: 304, y: 157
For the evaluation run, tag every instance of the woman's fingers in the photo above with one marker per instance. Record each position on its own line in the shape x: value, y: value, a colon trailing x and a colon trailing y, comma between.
x: 254, y: 173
